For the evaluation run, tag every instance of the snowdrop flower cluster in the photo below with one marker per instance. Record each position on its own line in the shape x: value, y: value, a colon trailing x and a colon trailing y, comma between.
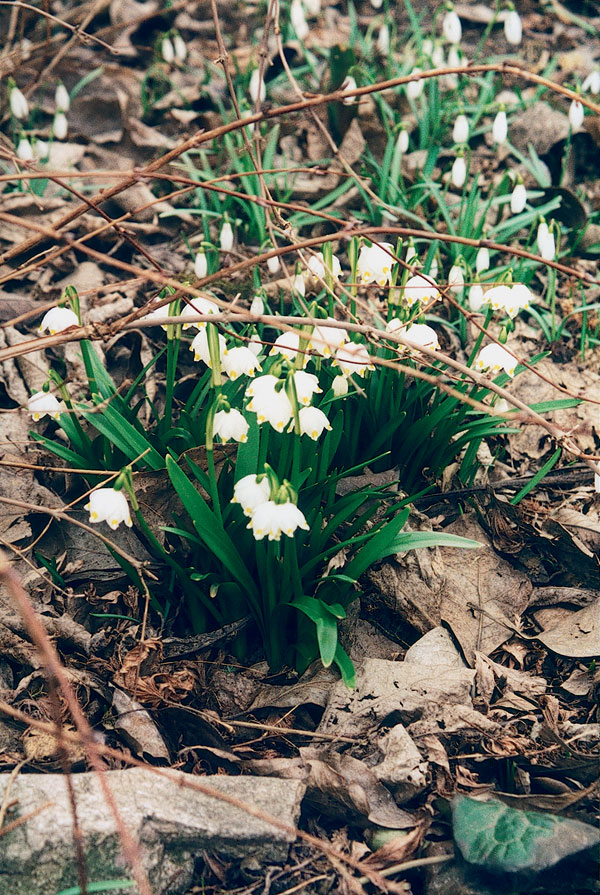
x: 110, y: 506
x: 42, y: 404
x: 56, y: 320
x: 270, y: 515
x: 495, y: 358
x: 509, y: 299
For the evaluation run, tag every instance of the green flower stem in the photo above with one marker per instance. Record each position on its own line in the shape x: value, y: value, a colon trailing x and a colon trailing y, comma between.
x: 477, y: 346
x: 328, y: 262
x: 210, y: 463
x: 552, y: 300
x: 215, y: 356
x: 173, y: 343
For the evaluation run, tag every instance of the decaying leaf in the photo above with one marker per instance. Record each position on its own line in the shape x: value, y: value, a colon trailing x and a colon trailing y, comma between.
x: 136, y: 726
x: 577, y: 635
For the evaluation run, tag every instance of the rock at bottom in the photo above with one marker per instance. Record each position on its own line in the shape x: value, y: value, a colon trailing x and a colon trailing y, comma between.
x: 173, y: 825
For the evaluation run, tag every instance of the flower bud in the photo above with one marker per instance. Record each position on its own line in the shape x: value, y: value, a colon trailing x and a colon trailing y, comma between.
x: 200, y: 264
x: 60, y: 126
x: 451, y: 27
x: 24, y: 150
x: 460, y: 132
x: 298, y: 19
x: 167, y: 51
x: 226, y: 237
x: 518, y: 198
x: 576, y: 114
x: 18, y: 104
x: 256, y: 88
x: 513, y: 27
x: 500, y: 128
x: 62, y: 99
x: 180, y: 48
x: 459, y: 172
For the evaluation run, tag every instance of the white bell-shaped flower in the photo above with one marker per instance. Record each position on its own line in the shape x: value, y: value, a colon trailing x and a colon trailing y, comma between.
x: 327, y: 339
x: 376, y: 4
x: 298, y: 20
x: 353, y: 359
x: 200, y: 347
x: 339, y: 386
x: 546, y: 242
x: 240, y: 361
x: 576, y: 114
x: 482, y: 259
x: 180, y: 47
x: 287, y: 344
x: 456, y: 278
x: 451, y: 27
x: 200, y: 264
x: 60, y: 126
x: 226, y: 237
x: 256, y: 88
x: 500, y: 128
x: 108, y: 505
x: 402, y: 141
x: 274, y: 519
x: 195, y: 306
x: 476, y: 297
x: 375, y: 264
x: 271, y: 405
x: 455, y: 59
x: 458, y: 174
x: 460, y: 131
x: 518, y: 198
x: 24, y: 150
x: 251, y: 493
x: 418, y: 334
x: 383, y: 39
x: 257, y: 306
x: 414, y: 89
x: 316, y: 265
x: 42, y: 404
x: 520, y: 297
x: 230, y: 425
x: 299, y: 285
x: 167, y: 50
x: 62, y: 98
x: 498, y: 297
x: 420, y: 289
x: 273, y: 264
x: 592, y: 82
x: 40, y: 149
x: 58, y: 319
x: 307, y: 385
x: 18, y: 104
x: 513, y: 27
x: 349, y: 84
x: 495, y: 358
x: 312, y: 422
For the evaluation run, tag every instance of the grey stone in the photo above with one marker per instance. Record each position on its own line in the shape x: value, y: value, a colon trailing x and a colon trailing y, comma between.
x: 173, y: 825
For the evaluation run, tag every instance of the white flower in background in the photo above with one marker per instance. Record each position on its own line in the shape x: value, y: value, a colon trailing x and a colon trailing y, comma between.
x: 327, y: 339
x: 375, y: 264
x: 230, y: 425
x: 298, y: 19
x: 546, y: 242
x: 18, y: 104
x: 458, y: 175
x: 482, y: 259
x: 312, y: 422
x: 502, y: 406
x: 271, y: 405
x: 58, y: 319
x: 62, y: 99
x: 273, y: 264
x: 410, y: 256
x: 498, y: 297
x: 476, y: 297
x: 257, y: 305
x: 167, y: 50
x: 180, y: 47
x: 376, y: 4
x: 420, y: 289
x: 520, y: 299
x: 226, y: 237
x: 500, y: 128
x: 200, y: 264
x: 353, y: 358
x: 576, y: 114
x: 455, y: 59
x: 496, y: 358
x: 402, y: 140
x: 255, y: 345
x: 42, y: 404
x: 313, y: 7
x: 460, y: 131
x: 597, y: 476
x: 274, y: 519
x: 383, y: 39
x: 418, y: 334
x: 509, y: 299
x: 513, y: 27
x: 433, y: 268
x: 287, y: 344
x: 108, y: 505
x: 339, y: 386
x: 256, y: 88
x: 24, y: 150
x: 200, y: 347
x: 251, y: 493
x: 299, y: 285
x: 196, y: 306
x: 40, y: 149
x: 456, y: 278
x: 451, y: 27
x: 306, y: 385
x: 414, y: 89
x: 518, y: 198
x: 316, y: 265
x: 60, y: 126
x: 592, y: 82
x: 240, y: 361
x: 349, y: 84
x: 437, y: 55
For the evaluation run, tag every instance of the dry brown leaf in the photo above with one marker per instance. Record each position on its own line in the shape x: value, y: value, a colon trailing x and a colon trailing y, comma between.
x: 137, y: 728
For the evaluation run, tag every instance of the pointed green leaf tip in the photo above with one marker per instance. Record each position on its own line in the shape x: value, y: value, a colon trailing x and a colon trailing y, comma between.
x: 510, y: 840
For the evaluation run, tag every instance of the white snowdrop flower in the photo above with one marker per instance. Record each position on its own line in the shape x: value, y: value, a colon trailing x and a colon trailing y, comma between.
x: 476, y: 297
x: 339, y: 386
x: 460, y: 131
x: 299, y: 285
x: 180, y: 48
x: 546, y: 242
x: 313, y: 7
x: 327, y: 339
x: 451, y: 27
x: 513, y: 27
x: 458, y: 175
x: 274, y: 519
x: 502, y: 406
x: 418, y: 334
x: 108, y: 505
x: 196, y: 306
x: 255, y: 345
x: 200, y: 347
x: 454, y: 61
x: 40, y: 149
x: 25, y: 150
x: 268, y: 403
x: 576, y: 114
x: 520, y: 297
x: 287, y: 344
x: 230, y: 425
x: 18, y: 104
x: 402, y: 140
x: 316, y: 265
x: 500, y: 128
x: 167, y: 50
x: 251, y: 493
x: 437, y: 55
x: 313, y: 422
x: 62, y: 98
x: 518, y: 198
x: 273, y: 264
x: 307, y: 385
x: 376, y: 4
x: 414, y: 89
x: 42, y: 404
x: 226, y: 237
x: 262, y: 385
x: 200, y: 264
x: 410, y: 256
x: 375, y: 264
x: 456, y: 278
x: 420, y: 289
x: 240, y: 361
x: 592, y: 82
x: 257, y: 306
x: 58, y: 319
x: 498, y: 297
x: 257, y: 88
x: 482, y: 259
x: 349, y: 84
x: 60, y: 126
x: 433, y: 269
x: 597, y: 479
x: 298, y: 19
x: 496, y: 358
x: 353, y: 358
x: 383, y: 39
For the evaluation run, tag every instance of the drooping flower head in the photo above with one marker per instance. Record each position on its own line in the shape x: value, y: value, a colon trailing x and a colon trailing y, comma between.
x: 108, y: 505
